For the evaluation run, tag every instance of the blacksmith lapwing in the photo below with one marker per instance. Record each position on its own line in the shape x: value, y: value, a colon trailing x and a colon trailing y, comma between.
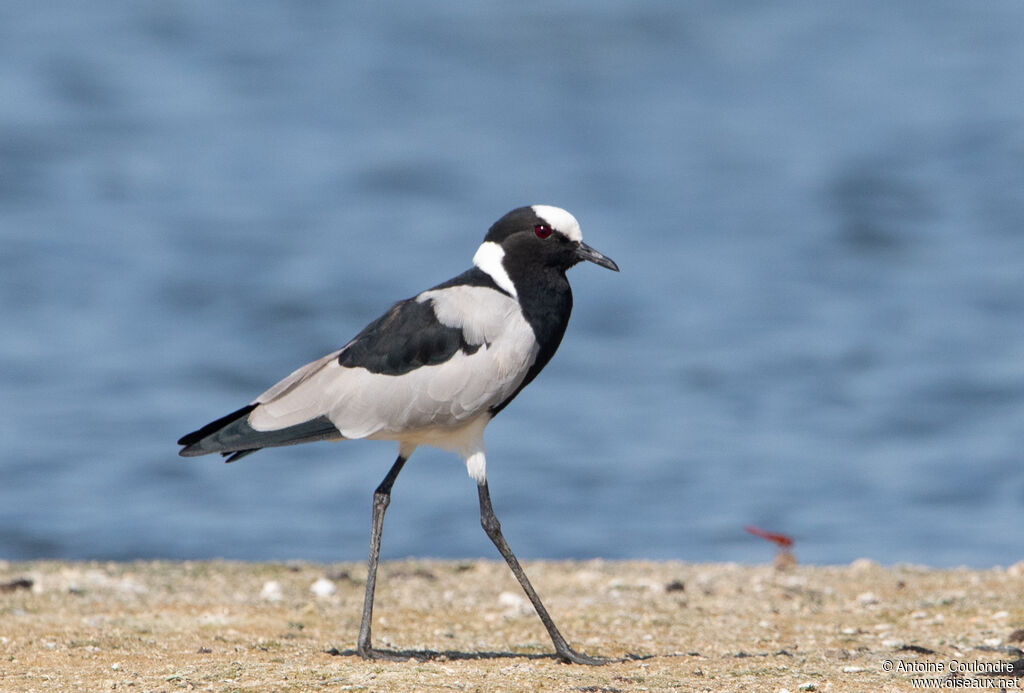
x: 433, y: 370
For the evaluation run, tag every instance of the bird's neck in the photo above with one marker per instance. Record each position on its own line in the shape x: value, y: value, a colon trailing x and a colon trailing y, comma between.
x: 546, y: 302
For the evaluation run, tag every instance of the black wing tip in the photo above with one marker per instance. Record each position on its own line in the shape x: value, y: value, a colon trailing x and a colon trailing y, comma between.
x: 234, y: 456
x: 189, y: 440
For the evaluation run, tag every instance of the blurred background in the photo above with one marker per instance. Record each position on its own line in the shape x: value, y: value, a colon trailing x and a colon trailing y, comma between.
x: 818, y: 329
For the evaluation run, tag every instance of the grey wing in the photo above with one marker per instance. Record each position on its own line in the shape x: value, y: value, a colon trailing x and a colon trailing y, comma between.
x: 362, y: 403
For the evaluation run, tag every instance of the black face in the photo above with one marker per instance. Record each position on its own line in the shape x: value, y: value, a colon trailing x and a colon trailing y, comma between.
x: 529, y: 239
x: 540, y: 245
x: 520, y: 219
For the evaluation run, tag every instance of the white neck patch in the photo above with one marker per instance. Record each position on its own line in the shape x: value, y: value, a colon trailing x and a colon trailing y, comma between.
x: 560, y: 221
x: 489, y: 257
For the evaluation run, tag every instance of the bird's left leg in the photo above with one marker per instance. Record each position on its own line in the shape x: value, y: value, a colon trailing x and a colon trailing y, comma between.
x: 381, y: 500
x: 493, y: 529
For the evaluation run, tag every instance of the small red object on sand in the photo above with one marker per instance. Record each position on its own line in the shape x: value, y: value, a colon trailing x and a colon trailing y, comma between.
x: 780, y: 539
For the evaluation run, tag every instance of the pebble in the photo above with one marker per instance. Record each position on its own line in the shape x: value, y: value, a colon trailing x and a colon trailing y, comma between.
x: 650, y: 585
x: 272, y: 591
x: 514, y: 604
x: 323, y: 588
x: 867, y: 599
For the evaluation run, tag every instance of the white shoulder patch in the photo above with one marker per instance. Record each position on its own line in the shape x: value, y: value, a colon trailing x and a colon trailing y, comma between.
x: 560, y: 220
x: 489, y: 258
x: 482, y: 314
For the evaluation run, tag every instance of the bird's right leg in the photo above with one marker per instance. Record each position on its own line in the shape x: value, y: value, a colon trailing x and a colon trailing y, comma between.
x: 492, y: 527
x: 381, y: 500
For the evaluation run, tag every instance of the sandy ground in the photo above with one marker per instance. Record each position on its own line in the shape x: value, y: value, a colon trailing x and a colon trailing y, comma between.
x: 217, y: 626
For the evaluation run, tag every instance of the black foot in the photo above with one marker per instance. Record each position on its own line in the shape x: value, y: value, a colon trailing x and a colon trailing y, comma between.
x: 571, y: 656
x: 383, y: 655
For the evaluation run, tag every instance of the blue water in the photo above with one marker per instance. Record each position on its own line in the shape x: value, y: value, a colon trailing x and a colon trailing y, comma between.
x: 818, y: 327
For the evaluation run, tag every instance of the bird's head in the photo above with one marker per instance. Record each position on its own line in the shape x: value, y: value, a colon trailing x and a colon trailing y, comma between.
x: 535, y: 237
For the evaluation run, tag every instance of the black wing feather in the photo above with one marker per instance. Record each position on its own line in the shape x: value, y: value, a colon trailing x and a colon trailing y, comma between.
x: 232, y: 435
x: 405, y: 338
x: 214, y: 426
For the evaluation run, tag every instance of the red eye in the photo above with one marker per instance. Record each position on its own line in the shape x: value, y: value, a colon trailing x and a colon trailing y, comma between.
x: 542, y: 230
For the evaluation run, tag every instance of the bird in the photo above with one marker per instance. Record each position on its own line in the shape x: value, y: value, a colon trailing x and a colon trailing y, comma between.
x: 433, y: 370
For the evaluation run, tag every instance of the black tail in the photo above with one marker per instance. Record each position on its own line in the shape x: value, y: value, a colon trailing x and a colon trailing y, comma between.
x: 234, y: 438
